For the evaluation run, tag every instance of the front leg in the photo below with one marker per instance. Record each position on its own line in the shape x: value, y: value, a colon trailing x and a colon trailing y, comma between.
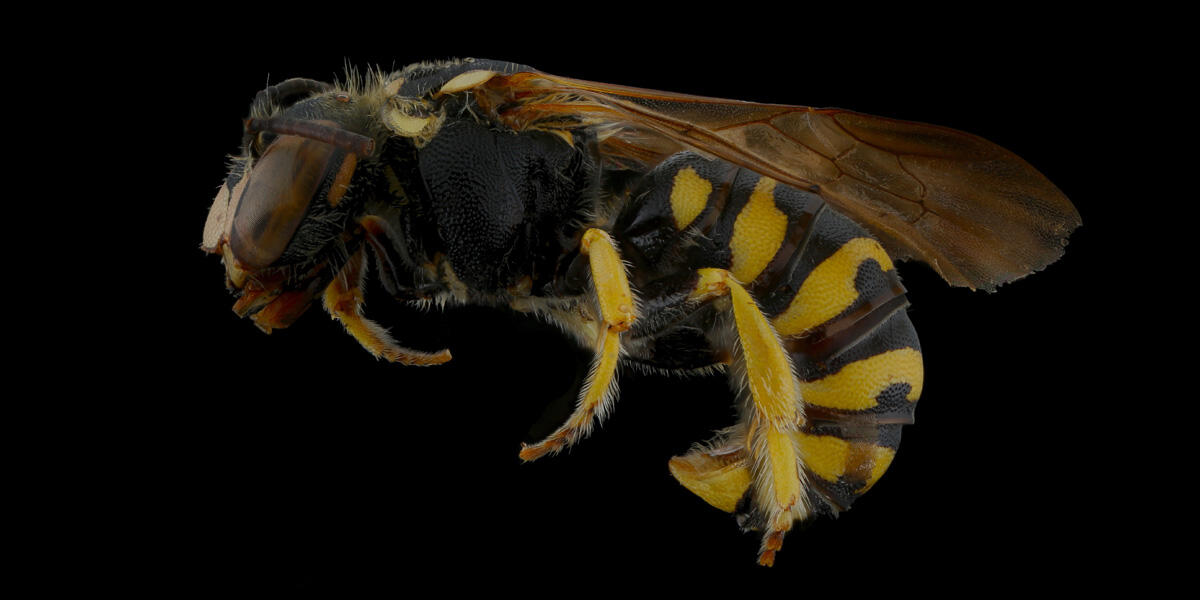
x: 617, y: 315
x: 343, y: 300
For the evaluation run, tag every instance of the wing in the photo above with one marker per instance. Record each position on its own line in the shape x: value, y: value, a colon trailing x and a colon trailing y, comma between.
x: 975, y: 212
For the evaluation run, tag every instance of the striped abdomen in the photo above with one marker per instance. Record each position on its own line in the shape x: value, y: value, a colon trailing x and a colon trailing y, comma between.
x: 828, y: 288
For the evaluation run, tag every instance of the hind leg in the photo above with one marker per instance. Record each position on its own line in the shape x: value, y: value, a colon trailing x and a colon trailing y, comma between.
x: 760, y: 454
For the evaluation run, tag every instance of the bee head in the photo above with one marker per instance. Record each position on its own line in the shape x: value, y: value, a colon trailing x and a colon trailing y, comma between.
x: 279, y: 220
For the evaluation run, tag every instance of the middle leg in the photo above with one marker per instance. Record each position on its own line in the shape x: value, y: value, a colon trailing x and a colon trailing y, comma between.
x: 617, y: 314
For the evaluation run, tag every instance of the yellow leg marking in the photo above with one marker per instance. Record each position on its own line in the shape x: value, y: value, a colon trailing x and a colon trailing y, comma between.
x: 829, y: 289
x: 757, y: 233
x: 720, y: 476
x: 591, y: 402
x: 343, y: 299
x: 776, y: 403
x: 858, y: 384
x: 767, y: 366
x: 617, y: 312
x: 689, y: 196
x: 783, y: 469
x: 608, y: 277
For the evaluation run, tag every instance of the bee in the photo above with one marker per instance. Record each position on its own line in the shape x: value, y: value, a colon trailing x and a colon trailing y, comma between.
x: 671, y: 233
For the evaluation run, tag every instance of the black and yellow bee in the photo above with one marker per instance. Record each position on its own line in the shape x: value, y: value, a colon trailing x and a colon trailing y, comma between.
x: 669, y: 232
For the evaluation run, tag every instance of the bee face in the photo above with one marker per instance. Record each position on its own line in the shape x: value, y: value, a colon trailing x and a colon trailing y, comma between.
x: 279, y: 221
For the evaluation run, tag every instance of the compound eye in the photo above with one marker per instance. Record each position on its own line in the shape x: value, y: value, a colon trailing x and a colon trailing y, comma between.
x: 277, y: 192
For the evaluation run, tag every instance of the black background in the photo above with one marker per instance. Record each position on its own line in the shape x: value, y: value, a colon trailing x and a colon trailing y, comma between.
x: 296, y: 462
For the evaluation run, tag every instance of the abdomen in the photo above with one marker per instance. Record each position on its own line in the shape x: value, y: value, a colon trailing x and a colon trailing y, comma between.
x: 826, y: 285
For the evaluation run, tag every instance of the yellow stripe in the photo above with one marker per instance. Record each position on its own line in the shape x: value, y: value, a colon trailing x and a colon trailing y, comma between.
x: 757, y: 233
x: 856, y: 386
x: 466, y: 81
x: 831, y: 457
x: 824, y: 455
x: 689, y: 196
x: 829, y: 289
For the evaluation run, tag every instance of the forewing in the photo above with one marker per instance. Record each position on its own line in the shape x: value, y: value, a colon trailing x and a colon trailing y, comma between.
x: 977, y: 213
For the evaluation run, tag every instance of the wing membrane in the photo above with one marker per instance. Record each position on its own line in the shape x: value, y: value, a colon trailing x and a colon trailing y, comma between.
x: 977, y: 213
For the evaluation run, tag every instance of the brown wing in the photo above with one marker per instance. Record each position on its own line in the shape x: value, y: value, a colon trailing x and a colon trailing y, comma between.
x: 974, y: 211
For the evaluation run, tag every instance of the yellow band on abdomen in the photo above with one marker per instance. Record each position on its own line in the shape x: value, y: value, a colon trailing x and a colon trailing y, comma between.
x: 757, y: 233
x: 829, y: 289
x: 857, y: 385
